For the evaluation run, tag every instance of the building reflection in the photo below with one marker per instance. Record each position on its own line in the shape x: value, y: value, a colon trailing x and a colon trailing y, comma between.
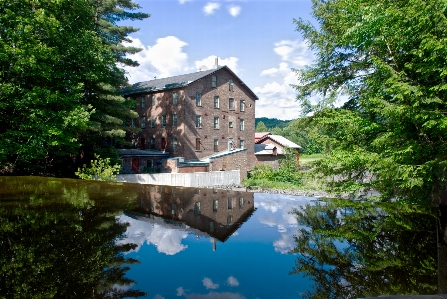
x: 212, y: 213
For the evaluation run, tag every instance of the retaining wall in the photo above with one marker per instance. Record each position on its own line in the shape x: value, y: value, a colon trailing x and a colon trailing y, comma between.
x: 196, y: 179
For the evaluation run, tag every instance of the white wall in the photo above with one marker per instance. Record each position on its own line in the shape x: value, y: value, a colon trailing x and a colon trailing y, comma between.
x: 195, y: 179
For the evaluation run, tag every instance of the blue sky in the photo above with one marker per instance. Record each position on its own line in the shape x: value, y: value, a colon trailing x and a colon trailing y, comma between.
x: 255, y: 38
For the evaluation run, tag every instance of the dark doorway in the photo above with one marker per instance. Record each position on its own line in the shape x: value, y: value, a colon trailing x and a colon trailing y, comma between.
x: 142, y: 143
x: 135, y: 165
x: 163, y: 144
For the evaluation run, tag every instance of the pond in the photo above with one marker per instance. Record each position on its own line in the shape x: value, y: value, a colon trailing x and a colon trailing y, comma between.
x: 65, y: 238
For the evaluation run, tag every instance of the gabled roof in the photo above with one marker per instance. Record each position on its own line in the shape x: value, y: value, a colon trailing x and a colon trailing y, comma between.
x: 267, y: 149
x: 259, y: 135
x: 176, y: 82
x: 281, y: 140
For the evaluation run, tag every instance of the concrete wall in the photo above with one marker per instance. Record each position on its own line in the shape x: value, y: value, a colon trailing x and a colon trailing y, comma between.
x: 197, y: 179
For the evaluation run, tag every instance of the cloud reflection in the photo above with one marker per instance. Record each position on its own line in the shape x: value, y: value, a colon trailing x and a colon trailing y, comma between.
x: 166, y: 240
x: 208, y: 283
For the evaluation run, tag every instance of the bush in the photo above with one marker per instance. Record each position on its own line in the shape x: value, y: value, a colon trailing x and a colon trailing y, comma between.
x: 100, y: 170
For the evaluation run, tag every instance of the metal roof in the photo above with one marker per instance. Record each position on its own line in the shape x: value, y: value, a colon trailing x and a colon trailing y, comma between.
x: 267, y: 149
x: 175, y: 82
x: 141, y: 153
x: 281, y: 140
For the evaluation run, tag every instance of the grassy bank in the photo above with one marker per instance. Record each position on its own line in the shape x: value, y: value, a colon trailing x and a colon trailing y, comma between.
x: 288, y: 177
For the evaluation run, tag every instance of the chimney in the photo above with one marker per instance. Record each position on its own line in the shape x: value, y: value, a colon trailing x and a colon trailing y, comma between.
x: 216, y: 63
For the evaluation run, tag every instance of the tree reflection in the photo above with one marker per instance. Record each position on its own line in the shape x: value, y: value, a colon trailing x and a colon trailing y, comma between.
x: 58, y: 239
x: 356, y: 249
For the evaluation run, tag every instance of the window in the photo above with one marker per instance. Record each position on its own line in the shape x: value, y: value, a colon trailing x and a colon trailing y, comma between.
x: 174, y: 144
x: 242, y: 105
x: 231, y: 104
x: 143, y: 122
x: 216, y: 122
x: 216, y: 102
x: 174, y: 120
x: 215, y: 205
x: 241, y: 124
x: 152, y: 121
x: 198, y: 99
x: 211, y: 226
x: 230, y: 124
x: 149, y: 163
x: 241, y: 202
x: 163, y: 121
x: 153, y: 100
x: 174, y: 209
x: 197, y: 144
x: 134, y: 122
x: 198, y: 121
x: 143, y: 102
x: 152, y: 143
x: 230, y: 203
x: 229, y: 220
x: 197, y: 208
x: 216, y: 144
x: 213, y: 81
x: 174, y: 98
x: 230, y: 85
x: 241, y: 143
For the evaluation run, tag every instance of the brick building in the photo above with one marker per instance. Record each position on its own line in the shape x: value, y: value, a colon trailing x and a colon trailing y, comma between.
x: 196, y: 117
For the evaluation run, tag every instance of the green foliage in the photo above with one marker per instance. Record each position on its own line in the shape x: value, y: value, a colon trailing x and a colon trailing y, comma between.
x: 353, y: 249
x: 271, y: 123
x: 287, y: 176
x: 260, y: 127
x: 59, y: 239
x: 100, y: 169
x: 388, y: 59
x: 59, y: 77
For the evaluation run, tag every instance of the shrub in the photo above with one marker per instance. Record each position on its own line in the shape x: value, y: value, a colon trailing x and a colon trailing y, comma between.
x: 100, y: 169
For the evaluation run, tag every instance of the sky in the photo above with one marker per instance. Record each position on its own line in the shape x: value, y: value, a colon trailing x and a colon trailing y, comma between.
x: 257, y: 39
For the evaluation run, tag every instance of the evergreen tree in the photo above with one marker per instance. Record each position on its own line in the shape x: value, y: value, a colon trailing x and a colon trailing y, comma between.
x: 260, y: 127
x: 388, y: 58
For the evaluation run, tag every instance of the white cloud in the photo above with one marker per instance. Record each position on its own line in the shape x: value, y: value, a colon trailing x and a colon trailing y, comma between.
x: 277, y: 98
x: 211, y: 7
x: 208, y: 283
x: 232, y: 281
x: 284, y: 244
x: 180, y: 291
x: 209, y: 62
x: 183, y: 1
x: 166, y: 240
x: 158, y: 297
x: 164, y: 59
x: 234, y: 10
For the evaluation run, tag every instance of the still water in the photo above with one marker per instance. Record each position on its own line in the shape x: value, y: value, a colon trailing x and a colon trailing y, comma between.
x: 62, y: 238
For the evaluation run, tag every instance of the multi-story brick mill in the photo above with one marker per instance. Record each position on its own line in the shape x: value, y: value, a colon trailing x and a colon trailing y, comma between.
x: 205, y: 119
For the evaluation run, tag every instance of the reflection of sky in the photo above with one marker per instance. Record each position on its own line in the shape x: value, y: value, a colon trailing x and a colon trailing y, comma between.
x: 252, y: 263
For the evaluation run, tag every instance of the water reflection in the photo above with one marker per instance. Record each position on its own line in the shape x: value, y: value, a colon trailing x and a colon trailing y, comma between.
x: 353, y: 249
x: 58, y: 239
x: 163, y: 216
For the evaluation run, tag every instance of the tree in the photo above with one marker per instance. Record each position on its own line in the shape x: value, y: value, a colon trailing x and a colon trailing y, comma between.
x: 260, y: 127
x: 388, y: 59
x: 111, y: 108
x: 361, y: 249
x: 47, y: 51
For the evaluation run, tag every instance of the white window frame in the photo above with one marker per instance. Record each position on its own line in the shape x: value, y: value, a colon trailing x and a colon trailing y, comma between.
x: 198, y: 121
x: 174, y: 143
x: 216, y: 102
x: 231, y: 104
x: 216, y: 122
x: 174, y: 98
x: 163, y: 121
x: 143, y: 102
x: 174, y: 120
x: 143, y: 122
x: 213, y: 81
x: 198, y: 99
x: 152, y: 121
x: 242, y: 105
x: 241, y: 143
x: 241, y: 124
x: 153, y: 100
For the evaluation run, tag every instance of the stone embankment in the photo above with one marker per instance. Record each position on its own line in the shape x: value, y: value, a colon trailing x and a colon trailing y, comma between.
x: 309, y: 193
